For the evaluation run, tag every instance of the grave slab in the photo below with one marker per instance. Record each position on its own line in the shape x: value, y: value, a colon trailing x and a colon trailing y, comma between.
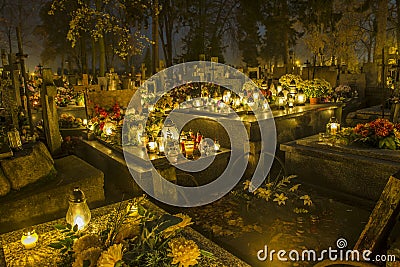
x: 360, y: 172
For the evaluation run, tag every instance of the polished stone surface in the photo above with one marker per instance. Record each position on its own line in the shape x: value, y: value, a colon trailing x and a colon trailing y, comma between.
x: 15, y: 255
x: 360, y: 172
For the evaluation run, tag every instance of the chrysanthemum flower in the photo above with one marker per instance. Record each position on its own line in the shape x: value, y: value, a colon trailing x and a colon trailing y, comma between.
x: 85, y: 242
x: 184, y: 252
x: 111, y: 256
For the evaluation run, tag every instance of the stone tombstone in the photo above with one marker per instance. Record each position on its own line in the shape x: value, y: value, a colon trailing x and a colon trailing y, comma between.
x: 356, y: 81
x: 214, y: 59
x: 85, y: 80
x: 4, y: 60
x: 279, y: 72
x: 126, y: 83
x: 103, y: 83
x: 16, y: 87
x: 21, y: 171
x: 49, y: 113
x: 327, y: 74
x: 371, y: 74
x: 253, y: 73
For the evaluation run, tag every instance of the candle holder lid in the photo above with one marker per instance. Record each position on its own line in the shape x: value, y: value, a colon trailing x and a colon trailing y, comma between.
x: 77, y: 196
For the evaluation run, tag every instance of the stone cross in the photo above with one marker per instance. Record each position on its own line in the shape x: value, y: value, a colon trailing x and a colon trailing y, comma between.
x: 49, y: 113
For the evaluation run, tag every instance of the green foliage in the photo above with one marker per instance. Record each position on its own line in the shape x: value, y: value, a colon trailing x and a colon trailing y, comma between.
x: 103, y: 18
x: 65, y: 245
x: 316, y: 87
x: 286, y: 79
x: 280, y: 190
x: 71, y: 233
x: 152, y: 246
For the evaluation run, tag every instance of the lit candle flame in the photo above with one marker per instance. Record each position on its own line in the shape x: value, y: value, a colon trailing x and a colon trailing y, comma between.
x: 80, y: 222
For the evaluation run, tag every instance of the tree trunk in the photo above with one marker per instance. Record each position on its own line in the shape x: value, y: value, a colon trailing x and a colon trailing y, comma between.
x: 62, y: 65
x: 102, y: 55
x: 155, y: 37
x: 83, y: 54
x: 102, y: 47
x: 285, y: 33
x: 94, y: 58
x: 166, y: 33
x: 398, y: 24
x: 169, y: 33
x: 381, y: 20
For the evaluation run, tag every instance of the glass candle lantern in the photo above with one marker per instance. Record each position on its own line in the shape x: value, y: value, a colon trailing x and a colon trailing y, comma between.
x: 236, y: 102
x: 226, y: 96
x: 152, y: 146
x: 278, y: 89
x: 169, y: 131
x: 280, y: 100
x: 264, y: 85
x: 14, y: 139
x: 217, y: 146
x: 108, y: 128
x: 293, y: 89
x: 29, y: 239
x: 290, y: 101
x: 301, y: 98
x: 333, y: 126
x: 256, y: 95
x: 198, y: 102
x: 273, y: 90
x: 78, y: 212
x: 160, y: 144
x: 189, y: 147
x: 173, y: 154
x: 265, y: 105
x: 250, y: 102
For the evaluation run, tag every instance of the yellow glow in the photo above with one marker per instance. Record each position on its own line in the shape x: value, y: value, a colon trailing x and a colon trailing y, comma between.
x: 151, y: 108
x: 256, y: 96
x: 29, y: 240
x: 301, y: 98
x: 78, y: 220
x: 217, y: 146
x: 334, y: 128
x: 133, y: 210
x: 161, y: 147
x: 189, y: 147
x: 152, y: 146
x: 109, y: 131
